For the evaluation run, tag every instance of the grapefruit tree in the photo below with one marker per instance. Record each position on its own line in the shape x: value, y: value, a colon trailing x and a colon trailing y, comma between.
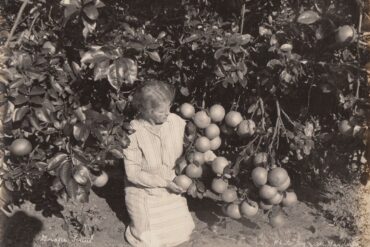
x: 266, y: 87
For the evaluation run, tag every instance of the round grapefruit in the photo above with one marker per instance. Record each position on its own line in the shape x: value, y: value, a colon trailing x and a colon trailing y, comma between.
x: 233, y: 118
x: 202, y: 144
x: 212, y: 131
x: 217, y: 113
x: 187, y: 110
x: 20, y: 147
x: 201, y: 119
x: 277, y: 176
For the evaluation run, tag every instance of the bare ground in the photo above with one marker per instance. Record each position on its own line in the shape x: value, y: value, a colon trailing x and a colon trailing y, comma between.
x: 305, y: 226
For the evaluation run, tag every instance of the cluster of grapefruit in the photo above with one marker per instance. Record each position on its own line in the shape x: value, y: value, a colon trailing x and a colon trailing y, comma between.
x: 272, y: 190
x: 61, y: 167
x: 203, y: 131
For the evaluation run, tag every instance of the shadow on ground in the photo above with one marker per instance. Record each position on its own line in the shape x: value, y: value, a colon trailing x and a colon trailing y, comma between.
x: 19, y: 230
x: 113, y: 193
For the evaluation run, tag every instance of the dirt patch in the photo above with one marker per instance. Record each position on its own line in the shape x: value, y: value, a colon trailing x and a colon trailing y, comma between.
x: 305, y: 226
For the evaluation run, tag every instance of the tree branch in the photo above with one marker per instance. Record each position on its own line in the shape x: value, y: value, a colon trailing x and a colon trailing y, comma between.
x: 16, y: 23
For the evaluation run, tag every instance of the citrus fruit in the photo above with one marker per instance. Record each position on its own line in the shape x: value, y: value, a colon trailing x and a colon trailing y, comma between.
x: 267, y: 192
x: 345, y: 33
x: 277, y: 176
x: 259, y: 176
x: 198, y: 158
x: 246, y: 128
x: 201, y: 119
x: 217, y: 113
x: 20, y: 147
x: 101, y: 180
x: 183, y: 181
x: 248, y: 208
x: 232, y: 210
x: 229, y: 195
x: 187, y: 110
x: 284, y: 186
x: 219, y: 185
x: 194, y: 171
x: 276, y: 199
x: 212, y: 131
x: 216, y: 143
x: 260, y: 159
x: 233, y: 118
x: 219, y: 164
x: 289, y: 199
x: 202, y: 144
x: 264, y: 205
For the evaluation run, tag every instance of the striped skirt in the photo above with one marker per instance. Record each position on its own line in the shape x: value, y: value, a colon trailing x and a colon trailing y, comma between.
x: 157, y: 220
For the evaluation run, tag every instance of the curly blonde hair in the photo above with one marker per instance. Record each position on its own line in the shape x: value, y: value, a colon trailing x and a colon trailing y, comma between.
x: 149, y: 95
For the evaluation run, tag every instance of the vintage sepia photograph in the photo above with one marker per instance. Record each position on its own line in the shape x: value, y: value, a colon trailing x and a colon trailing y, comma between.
x: 184, y: 123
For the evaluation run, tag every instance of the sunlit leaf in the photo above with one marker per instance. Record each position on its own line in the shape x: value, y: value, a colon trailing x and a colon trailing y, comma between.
x: 43, y: 115
x: 80, y: 132
x: 101, y: 70
x: 19, y: 113
x: 56, y: 161
x: 154, y: 56
x: 91, y: 12
x: 308, y: 17
x: 69, y: 11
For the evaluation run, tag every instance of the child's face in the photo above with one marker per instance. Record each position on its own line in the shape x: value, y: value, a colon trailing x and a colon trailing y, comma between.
x: 159, y: 114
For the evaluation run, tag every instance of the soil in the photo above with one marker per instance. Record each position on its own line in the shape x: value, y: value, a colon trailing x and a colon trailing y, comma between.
x: 305, y: 225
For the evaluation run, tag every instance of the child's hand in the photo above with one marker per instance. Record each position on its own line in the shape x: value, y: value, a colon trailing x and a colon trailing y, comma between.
x: 171, y: 186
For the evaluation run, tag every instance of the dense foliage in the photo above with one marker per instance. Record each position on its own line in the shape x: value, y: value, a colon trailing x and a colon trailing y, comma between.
x: 293, y: 67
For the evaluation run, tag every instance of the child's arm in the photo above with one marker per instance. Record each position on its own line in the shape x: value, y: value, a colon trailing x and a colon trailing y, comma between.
x: 132, y: 159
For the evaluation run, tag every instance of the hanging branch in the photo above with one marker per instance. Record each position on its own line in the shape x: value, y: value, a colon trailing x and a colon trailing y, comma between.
x: 358, y: 51
x: 16, y: 23
x: 242, y: 23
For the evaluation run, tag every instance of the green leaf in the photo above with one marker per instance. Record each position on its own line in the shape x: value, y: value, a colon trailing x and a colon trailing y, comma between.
x: 71, y: 188
x: 80, y: 132
x: 101, y: 70
x: 154, y: 56
x: 191, y: 38
x: 37, y: 100
x: 19, y: 113
x: 116, y: 153
x: 69, y: 11
x: 91, y: 12
x: 161, y: 35
x: 56, y: 161
x: 308, y: 17
x: 20, y: 100
x: 65, y: 172
x: 36, y: 90
x: 43, y: 115
x: 99, y: 4
x: 112, y: 77
x: 219, y: 53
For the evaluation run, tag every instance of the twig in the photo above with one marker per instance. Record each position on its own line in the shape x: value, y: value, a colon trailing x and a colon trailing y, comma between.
x: 24, y: 4
x: 242, y: 23
x: 358, y: 52
x: 288, y: 118
x: 263, y: 113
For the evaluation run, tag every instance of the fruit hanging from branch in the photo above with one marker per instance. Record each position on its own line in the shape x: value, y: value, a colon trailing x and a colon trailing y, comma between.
x: 20, y: 147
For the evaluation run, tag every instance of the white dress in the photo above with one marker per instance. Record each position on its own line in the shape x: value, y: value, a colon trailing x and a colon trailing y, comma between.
x: 159, y: 218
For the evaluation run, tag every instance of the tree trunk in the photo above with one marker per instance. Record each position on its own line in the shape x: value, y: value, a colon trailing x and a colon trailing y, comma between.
x: 365, y: 191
